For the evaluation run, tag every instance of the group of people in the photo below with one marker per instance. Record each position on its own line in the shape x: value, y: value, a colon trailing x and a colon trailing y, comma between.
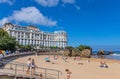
x: 31, y: 65
x: 68, y: 72
x: 103, y: 64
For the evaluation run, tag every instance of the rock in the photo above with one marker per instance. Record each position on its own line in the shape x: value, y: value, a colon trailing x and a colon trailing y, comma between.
x: 110, y: 52
x: 86, y: 53
x: 70, y: 53
x: 101, y: 52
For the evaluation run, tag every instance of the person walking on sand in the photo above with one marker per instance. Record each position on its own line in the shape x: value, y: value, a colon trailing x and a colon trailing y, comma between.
x: 68, y: 73
x: 28, y: 65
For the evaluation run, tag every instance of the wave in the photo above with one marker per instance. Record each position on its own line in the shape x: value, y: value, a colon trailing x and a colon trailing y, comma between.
x: 115, y: 54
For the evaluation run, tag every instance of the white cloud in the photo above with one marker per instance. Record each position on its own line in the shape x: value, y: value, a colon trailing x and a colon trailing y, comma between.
x: 53, y: 3
x: 73, y: 2
x: 77, y: 7
x: 29, y: 15
x: 47, y: 3
x: 68, y: 1
x: 10, y: 2
x: 4, y: 20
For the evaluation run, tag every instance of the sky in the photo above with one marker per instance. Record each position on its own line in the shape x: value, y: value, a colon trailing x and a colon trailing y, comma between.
x: 88, y: 22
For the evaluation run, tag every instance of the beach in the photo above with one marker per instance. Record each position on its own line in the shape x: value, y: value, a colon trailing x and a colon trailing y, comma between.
x: 87, y: 70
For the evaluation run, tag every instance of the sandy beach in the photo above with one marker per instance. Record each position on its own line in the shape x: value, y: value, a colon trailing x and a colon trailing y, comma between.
x: 89, y: 70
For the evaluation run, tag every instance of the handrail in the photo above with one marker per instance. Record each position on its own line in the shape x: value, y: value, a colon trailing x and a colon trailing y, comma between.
x: 18, y: 63
x: 15, y: 54
x: 23, y: 65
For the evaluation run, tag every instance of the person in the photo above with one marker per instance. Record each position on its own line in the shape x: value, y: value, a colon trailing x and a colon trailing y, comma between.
x: 79, y: 61
x: 54, y: 61
x: 88, y: 60
x: 103, y: 64
x: 28, y: 65
x: 1, y: 52
x: 68, y: 73
x: 78, y: 58
x: 33, y: 66
x: 74, y: 58
x: 64, y: 58
x: 41, y: 76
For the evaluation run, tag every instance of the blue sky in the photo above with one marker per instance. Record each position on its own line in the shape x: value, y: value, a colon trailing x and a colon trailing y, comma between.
x: 88, y: 22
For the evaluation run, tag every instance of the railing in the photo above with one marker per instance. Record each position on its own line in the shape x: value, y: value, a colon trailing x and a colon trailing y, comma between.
x: 17, y: 54
x: 19, y: 70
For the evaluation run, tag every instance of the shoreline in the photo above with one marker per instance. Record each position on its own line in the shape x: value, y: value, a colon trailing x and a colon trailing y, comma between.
x: 108, y: 57
x: 99, y: 59
x: 106, y: 60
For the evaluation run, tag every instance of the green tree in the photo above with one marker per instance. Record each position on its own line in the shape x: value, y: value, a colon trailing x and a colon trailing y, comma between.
x: 3, y: 33
x: 7, y: 42
x: 26, y: 47
x: 29, y: 47
x: 69, y: 47
x: 54, y: 47
x: 82, y: 47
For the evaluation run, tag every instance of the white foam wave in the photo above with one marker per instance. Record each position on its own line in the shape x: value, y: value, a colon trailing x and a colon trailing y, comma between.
x: 115, y: 54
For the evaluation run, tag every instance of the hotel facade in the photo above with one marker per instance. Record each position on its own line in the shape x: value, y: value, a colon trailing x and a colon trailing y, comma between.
x: 31, y: 35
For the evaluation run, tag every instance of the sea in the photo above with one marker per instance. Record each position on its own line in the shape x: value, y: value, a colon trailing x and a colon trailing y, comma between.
x: 114, y: 56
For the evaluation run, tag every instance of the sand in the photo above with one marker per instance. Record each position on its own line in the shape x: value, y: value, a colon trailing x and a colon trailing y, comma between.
x: 89, y: 70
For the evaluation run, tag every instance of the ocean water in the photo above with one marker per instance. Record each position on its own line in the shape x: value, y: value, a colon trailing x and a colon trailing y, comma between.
x: 115, y: 55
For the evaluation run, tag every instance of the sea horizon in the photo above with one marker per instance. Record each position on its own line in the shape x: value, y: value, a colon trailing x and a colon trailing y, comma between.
x: 115, y: 55
x: 105, y: 47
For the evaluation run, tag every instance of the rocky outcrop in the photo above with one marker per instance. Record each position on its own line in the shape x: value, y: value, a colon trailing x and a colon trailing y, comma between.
x: 101, y: 52
x: 83, y: 53
x: 71, y: 53
x: 86, y: 53
x: 110, y: 52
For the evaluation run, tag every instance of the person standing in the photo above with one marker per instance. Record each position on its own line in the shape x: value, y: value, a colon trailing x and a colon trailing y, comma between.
x: 68, y: 73
x: 33, y: 66
x: 28, y: 65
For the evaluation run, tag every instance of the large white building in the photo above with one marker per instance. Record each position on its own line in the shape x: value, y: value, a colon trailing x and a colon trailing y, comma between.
x: 31, y: 35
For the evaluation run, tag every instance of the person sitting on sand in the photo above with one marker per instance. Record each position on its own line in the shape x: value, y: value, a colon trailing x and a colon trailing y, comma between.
x: 79, y: 61
x: 68, y: 73
x: 88, y: 60
x: 103, y: 64
x: 78, y: 58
